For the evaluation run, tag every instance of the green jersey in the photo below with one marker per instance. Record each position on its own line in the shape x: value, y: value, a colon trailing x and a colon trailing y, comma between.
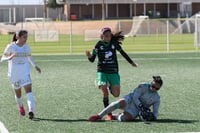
x: 107, y: 57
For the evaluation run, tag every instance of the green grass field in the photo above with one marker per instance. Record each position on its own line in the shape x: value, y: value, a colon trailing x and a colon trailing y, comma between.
x: 150, y: 43
x: 65, y: 95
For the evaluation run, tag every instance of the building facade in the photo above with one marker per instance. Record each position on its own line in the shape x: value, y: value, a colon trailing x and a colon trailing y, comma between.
x: 92, y: 9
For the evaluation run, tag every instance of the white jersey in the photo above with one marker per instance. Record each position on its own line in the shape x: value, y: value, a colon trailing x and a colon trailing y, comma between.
x: 18, y: 67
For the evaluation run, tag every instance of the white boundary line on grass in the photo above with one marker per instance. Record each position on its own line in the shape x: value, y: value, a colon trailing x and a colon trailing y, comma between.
x: 3, y: 129
x: 80, y: 60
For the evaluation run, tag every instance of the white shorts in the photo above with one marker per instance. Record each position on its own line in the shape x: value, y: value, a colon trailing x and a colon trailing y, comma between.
x: 130, y: 107
x: 20, y: 82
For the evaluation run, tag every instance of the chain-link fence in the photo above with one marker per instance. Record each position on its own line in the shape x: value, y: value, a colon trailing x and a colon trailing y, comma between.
x: 72, y: 37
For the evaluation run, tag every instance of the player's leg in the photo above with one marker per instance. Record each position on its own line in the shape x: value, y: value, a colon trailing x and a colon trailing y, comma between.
x: 102, y: 79
x: 115, y: 90
x: 30, y: 100
x: 105, y: 95
x: 114, y: 80
x: 130, y: 110
x: 120, y: 104
x: 125, y: 116
x: 101, y: 82
x: 18, y: 99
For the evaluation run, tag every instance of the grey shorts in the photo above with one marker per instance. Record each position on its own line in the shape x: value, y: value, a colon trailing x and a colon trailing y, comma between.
x: 130, y: 106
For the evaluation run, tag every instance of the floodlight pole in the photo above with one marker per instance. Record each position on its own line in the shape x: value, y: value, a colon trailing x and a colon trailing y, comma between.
x: 45, y: 9
x: 134, y: 1
x: 103, y: 10
x: 168, y: 43
x: 70, y: 42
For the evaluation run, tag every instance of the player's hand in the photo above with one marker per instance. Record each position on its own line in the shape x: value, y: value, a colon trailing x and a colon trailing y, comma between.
x: 38, y: 69
x: 141, y: 107
x: 12, y: 56
x: 150, y: 117
x: 134, y: 64
x: 87, y: 53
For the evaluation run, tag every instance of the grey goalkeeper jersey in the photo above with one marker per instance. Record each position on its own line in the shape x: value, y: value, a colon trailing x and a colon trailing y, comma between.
x: 143, y: 94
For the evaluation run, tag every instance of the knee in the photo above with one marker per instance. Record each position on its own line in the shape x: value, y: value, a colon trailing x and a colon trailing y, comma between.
x: 116, y: 94
x: 123, y: 118
x: 116, y: 91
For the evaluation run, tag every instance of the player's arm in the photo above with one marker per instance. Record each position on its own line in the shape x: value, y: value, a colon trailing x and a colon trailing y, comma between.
x: 156, y: 108
x: 137, y: 94
x: 125, y: 55
x: 31, y: 60
x: 91, y: 57
x: 151, y: 116
x: 7, y: 57
x: 8, y: 53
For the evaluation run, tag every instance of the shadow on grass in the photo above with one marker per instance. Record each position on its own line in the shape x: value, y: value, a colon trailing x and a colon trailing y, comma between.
x: 137, y: 120
x: 170, y: 121
x: 176, y: 121
x: 60, y: 120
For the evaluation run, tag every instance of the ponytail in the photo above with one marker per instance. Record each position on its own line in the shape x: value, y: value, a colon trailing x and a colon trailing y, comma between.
x: 19, y: 34
x: 117, y: 38
x: 14, y: 37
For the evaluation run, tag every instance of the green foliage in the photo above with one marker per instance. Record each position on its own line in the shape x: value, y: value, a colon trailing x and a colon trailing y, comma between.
x: 53, y: 4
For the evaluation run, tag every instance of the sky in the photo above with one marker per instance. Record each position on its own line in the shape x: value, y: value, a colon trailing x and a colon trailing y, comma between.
x: 20, y: 2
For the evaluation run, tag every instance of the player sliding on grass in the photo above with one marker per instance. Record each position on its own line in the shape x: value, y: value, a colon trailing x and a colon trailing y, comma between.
x: 18, y: 55
x: 136, y: 103
x: 107, y: 67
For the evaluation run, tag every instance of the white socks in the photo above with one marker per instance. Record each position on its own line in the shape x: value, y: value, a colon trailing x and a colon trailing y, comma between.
x: 19, y: 101
x: 30, y: 101
x: 111, y: 107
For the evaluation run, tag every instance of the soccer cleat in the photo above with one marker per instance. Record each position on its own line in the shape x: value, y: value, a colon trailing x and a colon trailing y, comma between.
x: 22, y: 111
x: 109, y: 117
x: 94, y: 118
x: 31, y: 115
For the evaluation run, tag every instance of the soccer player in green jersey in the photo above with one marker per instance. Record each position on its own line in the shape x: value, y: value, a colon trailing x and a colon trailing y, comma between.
x: 107, y: 67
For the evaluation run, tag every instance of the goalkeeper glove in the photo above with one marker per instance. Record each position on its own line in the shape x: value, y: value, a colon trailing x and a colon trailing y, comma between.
x: 141, y: 107
x: 150, y: 117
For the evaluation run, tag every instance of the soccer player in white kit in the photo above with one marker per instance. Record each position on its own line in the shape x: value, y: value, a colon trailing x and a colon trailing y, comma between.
x: 18, y: 55
x: 136, y: 103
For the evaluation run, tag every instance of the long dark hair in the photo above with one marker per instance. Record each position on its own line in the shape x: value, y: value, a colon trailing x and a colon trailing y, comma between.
x: 117, y: 38
x: 19, y: 34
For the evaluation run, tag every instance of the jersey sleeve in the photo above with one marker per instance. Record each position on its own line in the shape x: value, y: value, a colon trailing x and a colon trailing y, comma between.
x: 123, y: 53
x: 118, y: 47
x: 28, y: 50
x: 8, y: 50
x: 137, y: 93
x: 30, y: 58
x: 94, y: 53
x: 156, y: 107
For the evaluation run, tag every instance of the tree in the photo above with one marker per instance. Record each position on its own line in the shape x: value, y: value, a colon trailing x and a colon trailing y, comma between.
x: 55, y: 5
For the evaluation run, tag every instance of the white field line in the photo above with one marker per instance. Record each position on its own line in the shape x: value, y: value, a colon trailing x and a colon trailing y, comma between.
x: 3, y: 128
x: 80, y: 60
